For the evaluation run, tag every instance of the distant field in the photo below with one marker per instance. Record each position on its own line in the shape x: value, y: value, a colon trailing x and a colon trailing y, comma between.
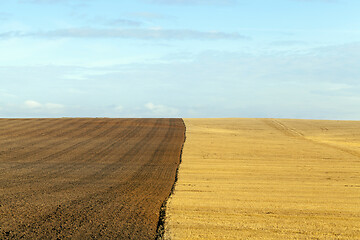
x: 86, y: 178
x: 267, y: 179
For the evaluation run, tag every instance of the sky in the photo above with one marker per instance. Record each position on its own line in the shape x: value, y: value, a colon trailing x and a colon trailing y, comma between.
x: 180, y: 58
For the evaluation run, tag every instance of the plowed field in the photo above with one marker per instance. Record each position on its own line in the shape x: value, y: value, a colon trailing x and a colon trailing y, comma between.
x: 267, y: 179
x: 86, y: 178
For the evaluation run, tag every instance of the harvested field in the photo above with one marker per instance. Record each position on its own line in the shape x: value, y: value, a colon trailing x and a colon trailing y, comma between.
x: 267, y: 179
x: 86, y: 178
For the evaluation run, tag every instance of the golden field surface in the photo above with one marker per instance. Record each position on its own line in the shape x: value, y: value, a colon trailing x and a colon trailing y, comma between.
x: 267, y: 179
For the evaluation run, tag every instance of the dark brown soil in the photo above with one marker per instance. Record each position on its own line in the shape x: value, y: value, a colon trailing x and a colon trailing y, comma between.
x: 86, y: 178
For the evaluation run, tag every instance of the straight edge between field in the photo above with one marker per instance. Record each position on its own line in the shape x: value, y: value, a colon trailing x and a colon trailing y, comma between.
x: 160, y: 230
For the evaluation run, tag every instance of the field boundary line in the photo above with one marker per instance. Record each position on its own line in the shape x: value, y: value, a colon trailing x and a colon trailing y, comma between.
x: 160, y: 230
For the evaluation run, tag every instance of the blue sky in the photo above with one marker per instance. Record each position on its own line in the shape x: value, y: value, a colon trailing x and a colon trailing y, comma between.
x: 180, y: 58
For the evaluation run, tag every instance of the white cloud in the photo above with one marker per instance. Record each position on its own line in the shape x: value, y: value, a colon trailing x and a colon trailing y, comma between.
x: 119, y: 108
x: 193, y: 2
x: 150, y: 106
x: 52, y: 1
x: 317, y: 83
x: 328, y: 1
x: 6, y: 95
x: 109, y: 22
x: 145, y: 34
x: 149, y: 15
x: 32, y: 104
x: 122, y: 21
x: 161, y: 110
x: 150, y: 1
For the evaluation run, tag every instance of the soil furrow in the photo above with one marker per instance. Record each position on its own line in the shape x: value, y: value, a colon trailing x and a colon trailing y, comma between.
x: 42, y: 131
x: 25, y: 129
x: 50, y: 144
x: 108, y: 183
x: 58, y: 169
x: 40, y: 135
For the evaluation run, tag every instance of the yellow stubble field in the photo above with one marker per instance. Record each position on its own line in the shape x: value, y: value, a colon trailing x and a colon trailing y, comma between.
x: 267, y: 179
